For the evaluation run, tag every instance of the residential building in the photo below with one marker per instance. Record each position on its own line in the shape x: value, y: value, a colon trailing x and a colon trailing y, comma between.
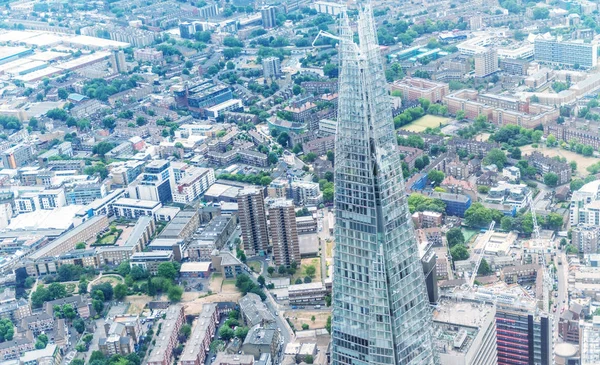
x: 416, y: 88
x: 585, y: 205
x: 284, y: 232
x: 194, y: 352
x: 253, y: 221
x: 17, y: 156
x: 326, y: 7
x: 134, y: 208
x: 309, y: 293
x: 165, y: 343
x: 568, y: 323
x: 545, y: 164
x: 86, y: 193
x: 117, y: 61
x: 38, y: 323
x: 194, y: 184
x: 271, y: 67
x: 50, y: 355
x: 585, y: 239
x: 370, y: 164
x: 516, y: 195
x: 154, y: 183
x: 260, y: 340
x: 15, y: 348
x: 254, y: 311
x: 306, y: 193
x: 574, y: 130
x: 569, y: 53
x: 66, y: 242
x: 183, y: 225
x: 195, y: 270
x: 149, y: 261
x: 148, y: 55
x: 269, y: 16
x: 486, y: 62
x: 520, y: 274
x: 427, y: 219
x: 78, y: 302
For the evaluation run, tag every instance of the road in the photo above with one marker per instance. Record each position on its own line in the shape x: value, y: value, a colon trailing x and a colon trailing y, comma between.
x: 562, y: 273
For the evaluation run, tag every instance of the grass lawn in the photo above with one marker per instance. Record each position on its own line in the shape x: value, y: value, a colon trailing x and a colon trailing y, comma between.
x: 469, y: 233
x: 301, y: 272
x: 108, y: 239
x: 582, y: 161
x: 426, y: 121
x: 112, y: 279
x: 254, y: 266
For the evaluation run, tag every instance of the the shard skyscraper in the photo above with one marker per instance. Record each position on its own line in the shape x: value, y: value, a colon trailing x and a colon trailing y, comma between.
x: 381, y: 312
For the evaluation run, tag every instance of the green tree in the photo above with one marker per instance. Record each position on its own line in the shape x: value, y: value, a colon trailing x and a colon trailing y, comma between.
x: 102, y: 148
x: 241, y: 332
x: 175, y: 292
x: 506, y: 223
x: 226, y: 333
x: 496, y: 157
x: 140, y: 121
x: 459, y: 253
x: 576, y: 184
x: 305, y: 326
x: 282, y: 270
x: 308, y: 358
x: 167, y: 270
x: 79, y: 325
x: 551, y: 141
x: 570, y: 249
x: 261, y: 280
x: 271, y: 270
x: 310, y: 270
x: 435, y: 176
x: 550, y: 179
x: 484, y: 268
x: 460, y: 115
x: 120, y: 291
x: 587, y: 151
x: 454, y: 237
x: 80, y: 246
x: 7, y: 330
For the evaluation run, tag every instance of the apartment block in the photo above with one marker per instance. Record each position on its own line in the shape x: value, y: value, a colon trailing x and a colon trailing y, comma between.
x: 196, y: 181
x: 545, y: 164
x: 284, y: 232
x: 149, y: 261
x: 568, y: 53
x: 573, y: 130
x: 486, y: 62
x: 194, y: 352
x: 128, y: 208
x: 167, y: 341
x: 253, y: 222
x: 416, y: 88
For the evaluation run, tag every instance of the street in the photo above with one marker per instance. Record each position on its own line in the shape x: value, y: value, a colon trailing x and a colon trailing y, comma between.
x: 562, y: 272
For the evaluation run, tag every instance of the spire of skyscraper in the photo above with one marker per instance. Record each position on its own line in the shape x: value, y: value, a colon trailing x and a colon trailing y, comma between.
x: 381, y: 312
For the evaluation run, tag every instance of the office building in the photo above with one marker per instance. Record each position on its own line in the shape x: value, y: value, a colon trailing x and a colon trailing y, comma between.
x: 271, y: 67
x: 522, y: 335
x: 269, y: 16
x: 253, y: 221
x: 456, y: 204
x: 154, y: 183
x: 486, y: 62
x: 382, y: 314
x: 284, y: 232
x: 569, y: 53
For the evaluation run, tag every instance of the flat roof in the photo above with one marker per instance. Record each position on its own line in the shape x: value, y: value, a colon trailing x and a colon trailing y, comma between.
x: 201, y: 266
x: 148, y: 204
x: 75, y: 231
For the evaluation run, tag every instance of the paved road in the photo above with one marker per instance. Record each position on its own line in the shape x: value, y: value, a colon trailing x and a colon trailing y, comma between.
x: 562, y: 274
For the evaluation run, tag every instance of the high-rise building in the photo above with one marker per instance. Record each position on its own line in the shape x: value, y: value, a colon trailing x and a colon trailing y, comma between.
x: 154, y: 183
x: 284, y: 232
x: 117, y: 61
x: 486, y: 62
x: 253, y: 221
x: 271, y: 67
x: 269, y: 16
x: 523, y: 336
x: 589, y: 341
x: 566, y: 53
x: 381, y: 312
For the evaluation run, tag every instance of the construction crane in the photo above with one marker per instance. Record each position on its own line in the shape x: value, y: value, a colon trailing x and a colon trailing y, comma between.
x: 486, y: 237
x: 545, y: 275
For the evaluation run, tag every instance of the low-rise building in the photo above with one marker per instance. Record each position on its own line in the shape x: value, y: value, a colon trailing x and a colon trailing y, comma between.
x: 149, y: 261
x: 254, y: 311
x: 165, y: 343
x: 260, y: 340
x: 227, y: 264
x: 194, y: 352
x: 545, y: 164
x: 307, y: 293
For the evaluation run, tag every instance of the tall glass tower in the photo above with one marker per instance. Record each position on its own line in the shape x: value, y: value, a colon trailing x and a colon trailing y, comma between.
x: 381, y: 312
